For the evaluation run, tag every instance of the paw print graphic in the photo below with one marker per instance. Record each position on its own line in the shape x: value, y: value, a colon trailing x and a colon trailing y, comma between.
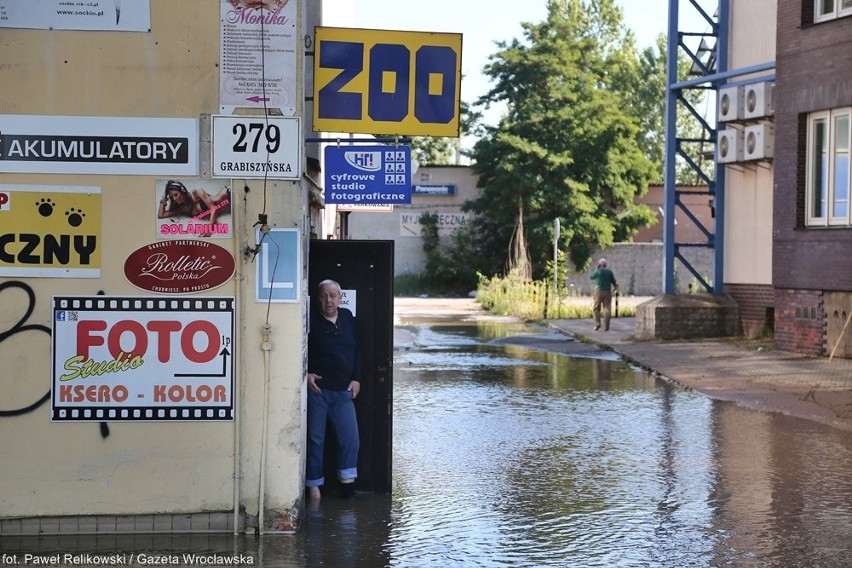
x: 75, y: 217
x: 45, y: 207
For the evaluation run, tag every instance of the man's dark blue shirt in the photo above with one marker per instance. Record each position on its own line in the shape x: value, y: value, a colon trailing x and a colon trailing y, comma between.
x: 333, y: 350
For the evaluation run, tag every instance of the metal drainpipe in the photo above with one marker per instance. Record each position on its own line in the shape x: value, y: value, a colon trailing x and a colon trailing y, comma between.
x: 266, y: 346
x: 238, y: 277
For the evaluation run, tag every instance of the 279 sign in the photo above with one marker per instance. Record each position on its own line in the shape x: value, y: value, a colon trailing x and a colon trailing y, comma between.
x: 256, y: 147
x: 387, y: 82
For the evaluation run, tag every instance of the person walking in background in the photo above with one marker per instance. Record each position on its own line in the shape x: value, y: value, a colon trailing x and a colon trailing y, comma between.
x: 334, y: 381
x: 605, y: 285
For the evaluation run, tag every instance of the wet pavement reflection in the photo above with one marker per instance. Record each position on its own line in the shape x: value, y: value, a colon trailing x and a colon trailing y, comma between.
x: 510, y: 455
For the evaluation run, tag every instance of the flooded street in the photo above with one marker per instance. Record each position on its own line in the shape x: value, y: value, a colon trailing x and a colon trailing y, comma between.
x: 508, y: 455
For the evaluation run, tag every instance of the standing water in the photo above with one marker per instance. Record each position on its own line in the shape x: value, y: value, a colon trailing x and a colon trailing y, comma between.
x: 505, y: 454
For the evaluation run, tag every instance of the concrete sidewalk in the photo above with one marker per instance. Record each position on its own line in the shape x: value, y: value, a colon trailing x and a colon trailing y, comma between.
x: 745, y: 372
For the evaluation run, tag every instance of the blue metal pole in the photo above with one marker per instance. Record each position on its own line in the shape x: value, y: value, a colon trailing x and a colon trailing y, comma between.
x: 669, y: 181
x: 719, y: 190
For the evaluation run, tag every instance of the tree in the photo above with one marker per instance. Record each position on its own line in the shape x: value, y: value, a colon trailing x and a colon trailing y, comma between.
x: 442, y: 150
x: 435, y: 150
x: 645, y: 98
x: 566, y: 147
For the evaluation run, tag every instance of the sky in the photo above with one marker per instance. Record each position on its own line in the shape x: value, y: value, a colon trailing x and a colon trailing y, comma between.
x: 482, y: 22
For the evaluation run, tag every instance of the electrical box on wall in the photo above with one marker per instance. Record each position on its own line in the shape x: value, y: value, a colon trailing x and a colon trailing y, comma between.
x: 730, y: 104
x: 758, y: 100
x: 759, y: 142
x: 729, y: 146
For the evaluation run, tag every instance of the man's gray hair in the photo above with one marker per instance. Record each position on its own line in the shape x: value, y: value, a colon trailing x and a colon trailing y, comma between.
x: 602, y: 261
x: 329, y: 282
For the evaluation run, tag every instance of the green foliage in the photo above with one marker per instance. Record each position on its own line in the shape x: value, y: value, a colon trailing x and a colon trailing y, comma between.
x: 429, y: 232
x: 435, y: 150
x: 567, y: 145
x: 431, y: 241
x: 441, y: 150
x: 644, y: 90
x: 557, y: 271
x: 536, y: 300
x: 416, y: 285
x: 448, y: 269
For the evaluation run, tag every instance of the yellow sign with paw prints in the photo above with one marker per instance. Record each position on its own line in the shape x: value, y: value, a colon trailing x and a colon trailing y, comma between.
x: 51, y: 231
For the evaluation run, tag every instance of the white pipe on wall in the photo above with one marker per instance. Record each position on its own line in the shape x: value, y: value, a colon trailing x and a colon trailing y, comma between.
x: 239, y: 278
x: 266, y: 346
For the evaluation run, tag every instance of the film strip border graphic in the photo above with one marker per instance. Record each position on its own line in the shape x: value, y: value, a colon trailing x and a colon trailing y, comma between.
x: 143, y: 413
x: 143, y: 304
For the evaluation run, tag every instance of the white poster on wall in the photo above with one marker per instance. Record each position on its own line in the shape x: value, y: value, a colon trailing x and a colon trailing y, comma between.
x: 86, y: 15
x: 257, y: 57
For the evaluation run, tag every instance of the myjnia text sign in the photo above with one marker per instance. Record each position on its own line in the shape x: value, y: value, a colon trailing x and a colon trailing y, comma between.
x: 387, y: 82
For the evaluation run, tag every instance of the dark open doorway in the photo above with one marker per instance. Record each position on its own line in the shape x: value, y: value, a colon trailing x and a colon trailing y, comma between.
x: 364, y: 270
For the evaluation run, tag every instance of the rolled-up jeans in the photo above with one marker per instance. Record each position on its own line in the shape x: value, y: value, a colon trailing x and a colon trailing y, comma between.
x: 603, y: 299
x: 339, y: 408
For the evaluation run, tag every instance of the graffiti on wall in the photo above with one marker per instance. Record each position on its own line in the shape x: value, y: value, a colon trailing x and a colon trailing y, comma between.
x: 21, y: 326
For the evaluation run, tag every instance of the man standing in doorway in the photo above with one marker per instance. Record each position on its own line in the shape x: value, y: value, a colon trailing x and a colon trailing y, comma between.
x: 334, y: 380
x: 605, y: 285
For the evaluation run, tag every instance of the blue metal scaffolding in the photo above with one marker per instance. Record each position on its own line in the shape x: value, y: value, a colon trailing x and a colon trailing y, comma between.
x: 710, y: 64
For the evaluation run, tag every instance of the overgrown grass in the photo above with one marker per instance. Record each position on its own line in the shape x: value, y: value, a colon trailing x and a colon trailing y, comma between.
x: 421, y: 284
x: 536, y: 300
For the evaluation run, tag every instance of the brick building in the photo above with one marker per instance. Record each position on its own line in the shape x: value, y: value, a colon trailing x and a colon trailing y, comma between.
x: 812, y: 235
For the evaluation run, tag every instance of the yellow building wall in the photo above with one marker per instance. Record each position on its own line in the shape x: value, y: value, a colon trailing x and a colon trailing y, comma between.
x: 148, y: 468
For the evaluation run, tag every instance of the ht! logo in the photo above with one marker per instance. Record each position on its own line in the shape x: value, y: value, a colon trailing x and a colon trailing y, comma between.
x: 4, y: 201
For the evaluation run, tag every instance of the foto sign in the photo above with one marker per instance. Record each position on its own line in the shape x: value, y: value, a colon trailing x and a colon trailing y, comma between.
x: 362, y: 175
x: 387, y: 82
x: 256, y: 147
x: 130, y: 358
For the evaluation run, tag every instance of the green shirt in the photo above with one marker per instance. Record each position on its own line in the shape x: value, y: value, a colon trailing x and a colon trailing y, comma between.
x: 603, y: 278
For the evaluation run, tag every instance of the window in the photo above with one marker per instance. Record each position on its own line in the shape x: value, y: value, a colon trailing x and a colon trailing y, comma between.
x: 831, y: 9
x: 828, y: 168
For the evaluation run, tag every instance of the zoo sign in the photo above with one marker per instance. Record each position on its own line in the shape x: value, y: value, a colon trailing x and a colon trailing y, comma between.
x: 387, y: 82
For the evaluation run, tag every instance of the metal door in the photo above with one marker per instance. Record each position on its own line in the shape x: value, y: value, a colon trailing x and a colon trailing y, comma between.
x: 365, y: 268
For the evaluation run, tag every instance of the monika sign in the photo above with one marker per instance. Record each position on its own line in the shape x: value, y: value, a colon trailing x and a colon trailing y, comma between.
x: 125, y: 358
x: 179, y: 267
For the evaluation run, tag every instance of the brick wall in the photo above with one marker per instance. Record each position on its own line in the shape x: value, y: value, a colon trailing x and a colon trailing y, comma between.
x: 757, y: 303
x: 813, y: 73
x: 687, y: 316
x: 799, y: 321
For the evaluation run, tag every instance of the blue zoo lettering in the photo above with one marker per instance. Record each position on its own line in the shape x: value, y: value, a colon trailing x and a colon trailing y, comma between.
x: 349, y: 57
x: 388, y: 107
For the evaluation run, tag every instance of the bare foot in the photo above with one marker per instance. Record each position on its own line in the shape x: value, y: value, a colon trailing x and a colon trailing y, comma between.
x: 314, y: 493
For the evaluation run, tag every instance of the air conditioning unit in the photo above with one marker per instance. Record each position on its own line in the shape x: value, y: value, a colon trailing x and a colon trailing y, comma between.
x: 729, y: 146
x: 758, y: 100
x: 730, y: 104
x: 759, y: 142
